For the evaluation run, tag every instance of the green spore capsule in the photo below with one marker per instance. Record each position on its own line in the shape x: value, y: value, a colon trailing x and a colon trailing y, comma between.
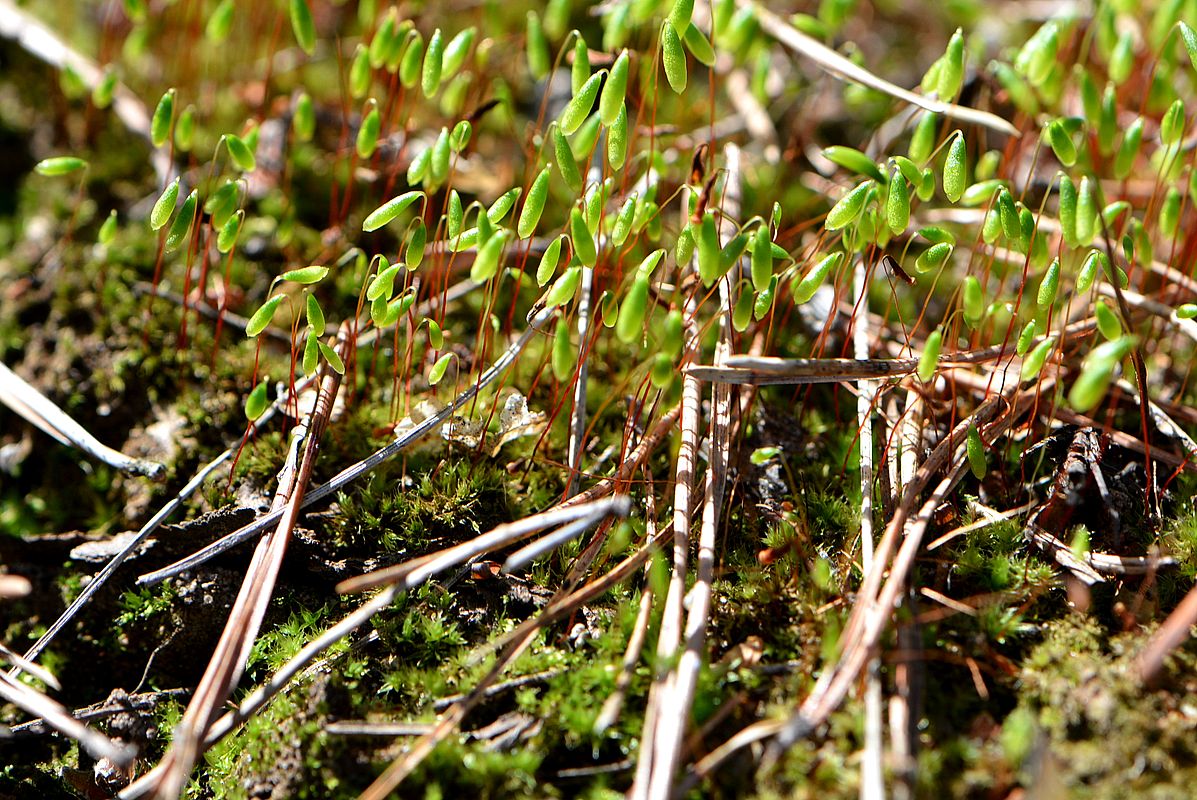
x: 1086, y: 213
x: 929, y: 360
x: 897, y: 205
x: 59, y: 165
x: 974, y: 301
x: 852, y: 159
x: 434, y: 54
x: 165, y: 205
x: 816, y: 277
x: 1061, y: 143
x: 623, y: 221
x: 563, y: 353
x: 1025, y: 338
x: 392, y: 208
x: 976, y: 452
x: 437, y: 373
x: 311, y: 354
x: 632, y: 310
x: 922, y: 141
x: 229, y: 231
x: 933, y: 257
x: 548, y: 262
x: 240, y: 153
x: 764, y: 300
x: 411, y: 63
x: 849, y: 207
x: 486, y: 262
x: 107, y: 229
x: 579, y: 107
x: 538, y: 195
x: 1032, y: 365
x: 672, y: 335
x: 1108, y: 323
x: 537, y: 47
x: 708, y: 250
x: 262, y: 317
x: 1008, y: 214
x: 564, y: 288
x: 164, y: 114
x: 673, y: 58
x: 951, y: 71
x: 662, y: 371
x: 180, y: 229
x: 583, y: 240
x: 761, y: 259
x: 617, y: 140
x: 1049, y: 287
x: 955, y: 170
x: 303, y: 26
x: 566, y: 164
x: 1068, y: 199
x: 257, y: 402
x: 367, y: 134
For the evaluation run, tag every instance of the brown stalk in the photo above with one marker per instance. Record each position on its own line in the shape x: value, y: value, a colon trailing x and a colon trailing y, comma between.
x: 671, y: 618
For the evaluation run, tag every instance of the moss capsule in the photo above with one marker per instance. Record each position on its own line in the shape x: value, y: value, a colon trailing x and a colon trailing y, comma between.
x: 929, y: 360
x: 1049, y: 287
x: 486, y: 262
x: 974, y: 301
x: 181, y: 228
x: 1033, y: 363
x: 708, y: 250
x: 537, y: 47
x: 976, y: 452
x: 566, y: 164
x: 955, y: 170
x: 933, y: 257
x: 548, y: 262
x: 240, y: 152
x: 849, y: 207
x: 617, y: 139
x: 303, y: 26
x: 672, y: 337
x: 897, y: 205
x: 563, y: 352
x: 579, y: 107
x: 951, y: 71
x: 614, y: 90
x: 257, y: 401
x: 761, y: 259
x: 632, y: 310
x: 1061, y: 143
x: 922, y: 141
x: 164, y: 114
x: 392, y: 208
x: 817, y: 276
x: 564, y: 288
x: 1086, y: 213
x: 673, y: 57
x: 1108, y: 323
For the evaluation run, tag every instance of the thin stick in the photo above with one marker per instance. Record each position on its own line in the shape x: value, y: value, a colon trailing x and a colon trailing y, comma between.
x: 872, y: 784
x: 58, y: 717
x: 38, y: 409
x: 842, y: 68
